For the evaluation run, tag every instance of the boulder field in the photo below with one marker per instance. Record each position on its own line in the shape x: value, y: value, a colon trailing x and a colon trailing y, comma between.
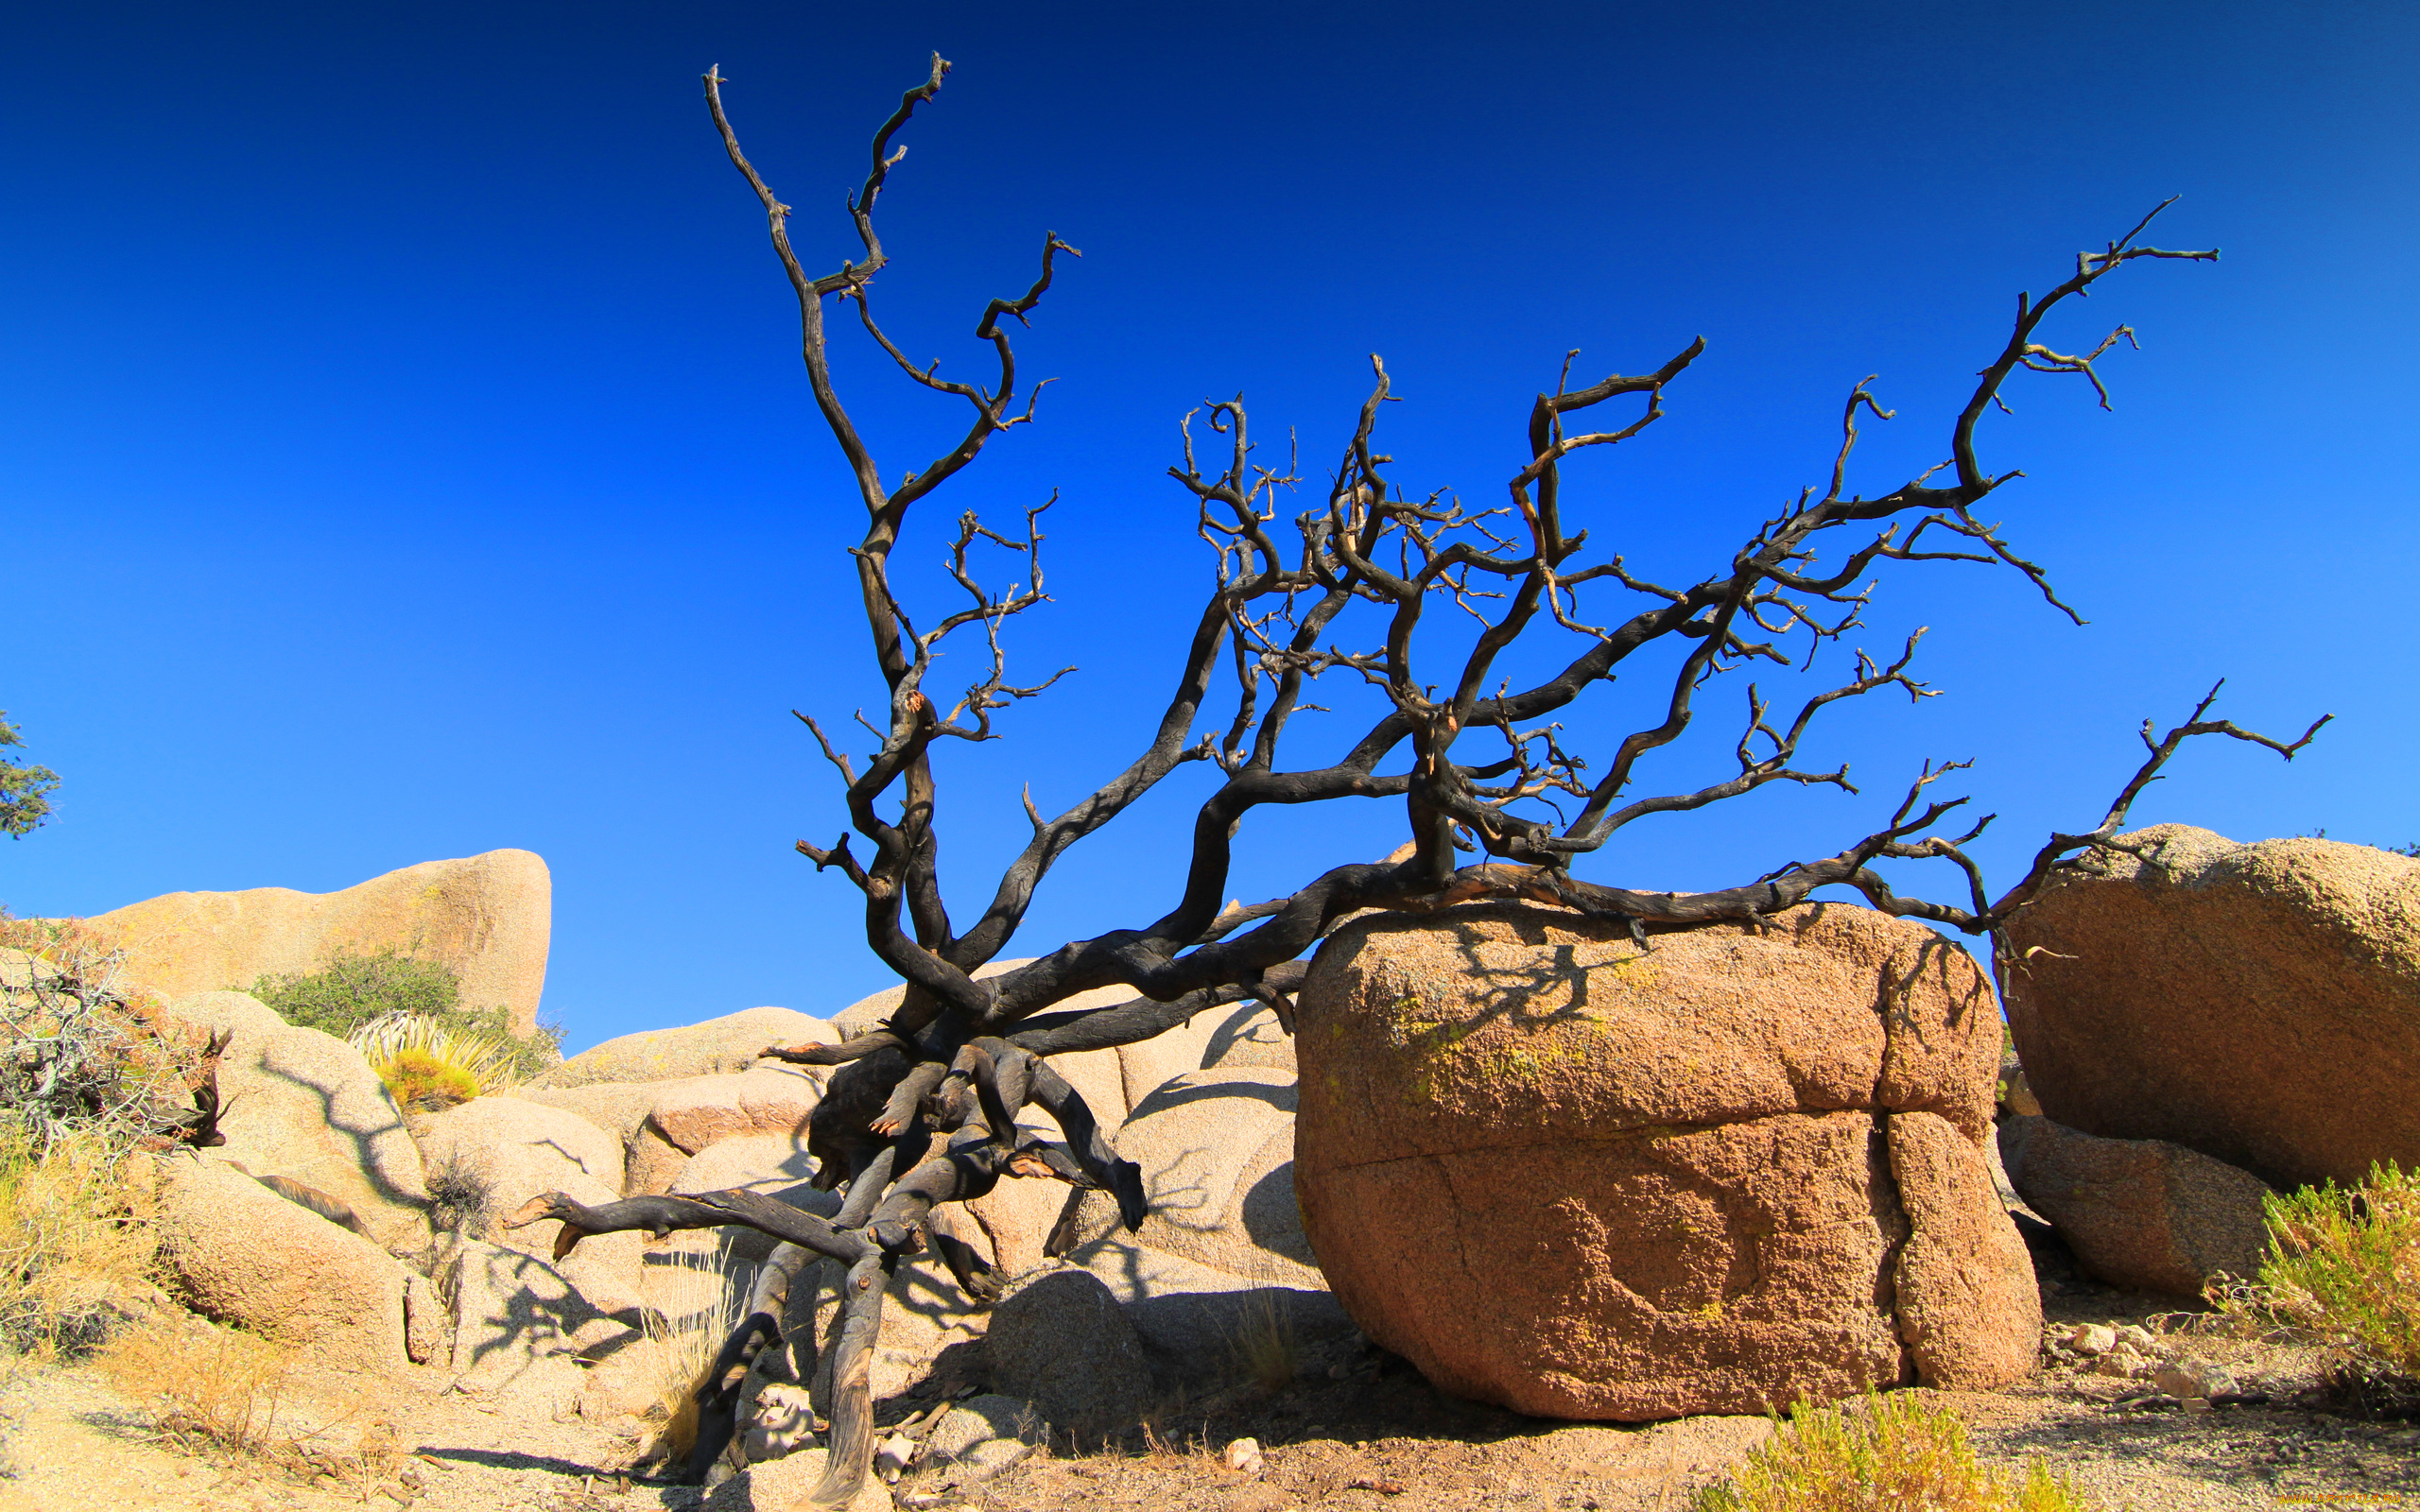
x: 1555, y: 1166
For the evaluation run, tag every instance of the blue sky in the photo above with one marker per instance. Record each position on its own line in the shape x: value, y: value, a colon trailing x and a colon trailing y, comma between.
x: 403, y: 450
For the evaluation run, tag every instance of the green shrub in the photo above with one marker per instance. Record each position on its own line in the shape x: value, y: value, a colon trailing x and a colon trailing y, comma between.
x: 25, y: 790
x: 1892, y: 1452
x: 353, y: 991
x: 2343, y: 1264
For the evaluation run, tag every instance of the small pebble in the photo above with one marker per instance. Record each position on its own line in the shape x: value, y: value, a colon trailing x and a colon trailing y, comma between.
x: 1244, y: 1456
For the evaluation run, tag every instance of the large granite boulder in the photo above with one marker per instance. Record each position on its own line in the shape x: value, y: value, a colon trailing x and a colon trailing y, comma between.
x: 487, y: 917
x: 2258, y: 1003
x: 725, y: 1044
x: 303, y: 1104
x: 2140, y: 1213
x: 520, y: 1326
x: 239, y: 1252
x: 1237, y: 1033
x: 1743, y: 1166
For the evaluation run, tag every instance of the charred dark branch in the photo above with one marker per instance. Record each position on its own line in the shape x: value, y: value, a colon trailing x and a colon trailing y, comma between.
x: 922, y: 1113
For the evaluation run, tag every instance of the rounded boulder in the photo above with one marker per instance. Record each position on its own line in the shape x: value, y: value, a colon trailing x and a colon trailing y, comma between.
x: 1738, y: 1166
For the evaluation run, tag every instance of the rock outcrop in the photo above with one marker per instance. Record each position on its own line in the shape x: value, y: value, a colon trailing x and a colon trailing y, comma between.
x: 519, y: 1326
x: 303, y: 1104
x: 2258, y: 1003
x: 728, y: 1044
x: 2140, y: 1213
x: 1216, y: 1148
x: 487, y: 917
x: 1740, y: 1168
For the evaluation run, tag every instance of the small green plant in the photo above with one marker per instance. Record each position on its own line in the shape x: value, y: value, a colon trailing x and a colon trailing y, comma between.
x: 421, y: 1081
x: 1888, y: 1454
x: 2343, y: 1266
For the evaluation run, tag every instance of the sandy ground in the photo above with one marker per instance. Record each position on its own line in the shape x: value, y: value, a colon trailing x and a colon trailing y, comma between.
x: 1358, y: 1430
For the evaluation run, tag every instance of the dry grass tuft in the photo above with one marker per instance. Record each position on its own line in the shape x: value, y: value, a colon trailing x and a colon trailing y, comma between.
x: 225, y: 1396
x: 1264, y: 1348
x: 697, y: 1308
x: 1892, y: 1452
x: 76, y: 1251
x: 2344, y: 1268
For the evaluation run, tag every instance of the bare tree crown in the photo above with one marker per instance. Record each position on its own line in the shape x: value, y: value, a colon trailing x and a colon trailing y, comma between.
x: 923, y: 1111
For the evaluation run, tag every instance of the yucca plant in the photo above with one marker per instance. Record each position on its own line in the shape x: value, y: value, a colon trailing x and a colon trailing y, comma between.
x: 430, y: 1064
x: 1894, y: 1454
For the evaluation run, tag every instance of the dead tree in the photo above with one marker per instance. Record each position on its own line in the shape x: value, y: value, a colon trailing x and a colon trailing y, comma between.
x: 921, y: 1112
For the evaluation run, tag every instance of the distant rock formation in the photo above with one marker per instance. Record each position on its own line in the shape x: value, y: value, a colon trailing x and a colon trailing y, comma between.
x: 486, y: 917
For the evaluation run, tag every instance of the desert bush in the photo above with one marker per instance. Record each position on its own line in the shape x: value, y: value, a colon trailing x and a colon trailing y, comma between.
x: 76, y: 1245
x: 204, y: 1386
x: 81, y: 1055
x: 2343, y: 1267
x: 1888, y: 1454
x: 354, y: 989
x: 353, y: 992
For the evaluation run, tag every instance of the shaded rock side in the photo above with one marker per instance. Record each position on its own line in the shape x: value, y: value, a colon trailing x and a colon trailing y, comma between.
x: 728, y: 1044
x: 1061, y: 1340
x: 2258, y: 1003
x: 305, y: 1106
x: 242, y: 1254
x: 2143, y: 1214
x: 1580, y: 1179
x: 1198, y: 1324
x: 487, y: 917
